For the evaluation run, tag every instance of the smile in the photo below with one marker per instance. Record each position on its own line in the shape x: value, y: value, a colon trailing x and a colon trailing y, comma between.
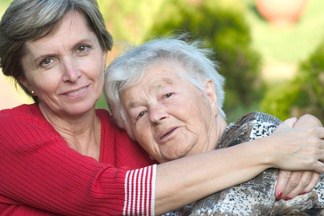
x: 167, y: 135
x: 77, y: 92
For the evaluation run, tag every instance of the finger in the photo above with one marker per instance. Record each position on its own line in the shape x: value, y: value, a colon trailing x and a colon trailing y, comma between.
x: 320, y: 165
x: 314, y: 180
x: 290, y: 122
x: 322, y: 145
x: 320, y: 132
x: 283, y: 178
x: 294, y: 185
x: 308, y: 120
x: 302, y: 181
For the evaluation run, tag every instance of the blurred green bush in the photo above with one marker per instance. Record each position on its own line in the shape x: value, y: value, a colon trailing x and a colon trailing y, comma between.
x: 221, y: 26
x: 303, y: 94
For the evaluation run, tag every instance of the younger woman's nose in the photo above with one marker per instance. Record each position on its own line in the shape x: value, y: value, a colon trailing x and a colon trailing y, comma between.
x: 71, y: 72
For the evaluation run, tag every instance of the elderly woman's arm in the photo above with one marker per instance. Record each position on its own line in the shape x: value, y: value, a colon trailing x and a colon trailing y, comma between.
x: 190, y: 178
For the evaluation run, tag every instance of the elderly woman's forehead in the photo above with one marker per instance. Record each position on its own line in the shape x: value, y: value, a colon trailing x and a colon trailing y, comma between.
x: 165, y: 62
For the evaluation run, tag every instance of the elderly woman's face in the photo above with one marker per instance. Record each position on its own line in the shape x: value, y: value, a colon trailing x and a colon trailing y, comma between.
x: 65, y: 68
x: 170, y: 117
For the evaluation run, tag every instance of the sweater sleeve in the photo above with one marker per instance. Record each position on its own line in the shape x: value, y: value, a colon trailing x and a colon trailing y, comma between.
x: 40, y: 171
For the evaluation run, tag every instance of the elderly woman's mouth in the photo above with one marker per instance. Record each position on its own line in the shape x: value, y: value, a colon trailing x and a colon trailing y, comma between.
x: 166, y: 136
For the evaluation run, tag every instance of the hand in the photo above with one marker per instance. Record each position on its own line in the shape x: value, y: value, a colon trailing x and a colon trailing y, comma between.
x: 298, y: 148
x: 291, y: 184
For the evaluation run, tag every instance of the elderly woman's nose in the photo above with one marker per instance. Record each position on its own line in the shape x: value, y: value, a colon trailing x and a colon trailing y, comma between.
x: 71, y: 71
x: 157, y: 113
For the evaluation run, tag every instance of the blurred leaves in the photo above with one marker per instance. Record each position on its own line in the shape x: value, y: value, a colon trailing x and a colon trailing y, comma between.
x: 128, y: 20
x: 303, y: 94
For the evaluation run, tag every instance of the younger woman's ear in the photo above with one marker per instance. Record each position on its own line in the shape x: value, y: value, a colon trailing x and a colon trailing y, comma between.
x: 25, y: 84
x: 211, y: 95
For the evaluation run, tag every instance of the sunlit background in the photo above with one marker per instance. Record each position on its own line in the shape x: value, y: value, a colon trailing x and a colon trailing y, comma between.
x: 275, y: 66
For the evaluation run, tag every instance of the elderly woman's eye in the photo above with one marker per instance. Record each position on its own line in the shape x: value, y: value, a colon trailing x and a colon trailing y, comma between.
x: 140, y: 115
x: 167, y: 95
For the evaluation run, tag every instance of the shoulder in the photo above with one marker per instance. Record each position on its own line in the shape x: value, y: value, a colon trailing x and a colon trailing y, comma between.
x: 24, y: 109
x: 25, y: 114
x: 258, y: 117
x: 250, y: 126
x: 261, y: 124
x: 24, y: 127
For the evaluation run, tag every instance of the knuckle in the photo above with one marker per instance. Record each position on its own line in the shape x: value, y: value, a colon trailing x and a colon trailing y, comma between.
x: 304, y: 182
x: 314, y: 140
x: 312, y: 132
x: 293, y: 183
x: 312, y: 161
x: 286, y: 174
x: 310, y: 118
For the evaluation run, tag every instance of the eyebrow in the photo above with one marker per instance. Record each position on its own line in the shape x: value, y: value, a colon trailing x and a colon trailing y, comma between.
x: 42, y: 56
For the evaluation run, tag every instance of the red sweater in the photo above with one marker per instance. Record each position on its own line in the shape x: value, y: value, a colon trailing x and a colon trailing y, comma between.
x: 40, y: 174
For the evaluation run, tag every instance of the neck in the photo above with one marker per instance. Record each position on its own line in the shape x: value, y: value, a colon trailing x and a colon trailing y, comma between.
x: 82, y: 133
x: 216, y: 132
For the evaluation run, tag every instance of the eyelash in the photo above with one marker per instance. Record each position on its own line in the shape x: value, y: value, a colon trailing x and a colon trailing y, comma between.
x: 140, y: 115
x: 83, y: 48
x: 167, y: 95
x: 43, y: 62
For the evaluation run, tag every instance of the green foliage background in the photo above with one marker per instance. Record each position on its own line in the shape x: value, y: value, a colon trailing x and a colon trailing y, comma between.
x: 303, y: 94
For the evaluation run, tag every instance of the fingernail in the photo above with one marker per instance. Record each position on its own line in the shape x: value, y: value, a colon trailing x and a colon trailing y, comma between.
x: 278, y: 195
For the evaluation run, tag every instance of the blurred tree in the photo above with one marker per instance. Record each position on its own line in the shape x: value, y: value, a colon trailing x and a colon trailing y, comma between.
x: 221, y: 26
x: 303, y: 94
x: 128, y: 20
x: 3, y: 5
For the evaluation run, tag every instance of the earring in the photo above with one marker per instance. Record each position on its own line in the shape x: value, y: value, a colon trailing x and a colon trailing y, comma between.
x: 32, y: 92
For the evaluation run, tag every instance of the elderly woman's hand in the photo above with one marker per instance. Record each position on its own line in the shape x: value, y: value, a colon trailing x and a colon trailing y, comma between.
x: 294, y: 183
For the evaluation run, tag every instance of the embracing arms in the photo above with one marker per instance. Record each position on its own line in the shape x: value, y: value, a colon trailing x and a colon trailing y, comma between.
x: 199, y: 175
x: 79, y: 185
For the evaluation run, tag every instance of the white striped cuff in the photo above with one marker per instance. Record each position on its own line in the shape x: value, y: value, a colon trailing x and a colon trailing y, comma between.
x: 140, y: 191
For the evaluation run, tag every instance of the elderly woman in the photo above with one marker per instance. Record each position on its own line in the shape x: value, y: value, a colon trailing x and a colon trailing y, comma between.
x: 168, y: 96
x: 61, y: 156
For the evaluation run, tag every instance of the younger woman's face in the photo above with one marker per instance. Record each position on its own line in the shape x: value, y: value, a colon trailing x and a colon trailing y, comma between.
x: 65, y: 68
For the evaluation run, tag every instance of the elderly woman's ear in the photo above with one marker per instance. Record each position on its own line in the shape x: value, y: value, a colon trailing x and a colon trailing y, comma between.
x: 210, y: 92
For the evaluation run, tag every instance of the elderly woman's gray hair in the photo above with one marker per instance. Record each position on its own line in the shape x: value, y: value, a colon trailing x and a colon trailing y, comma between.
x: 27, y: 20
x: 125, y: 70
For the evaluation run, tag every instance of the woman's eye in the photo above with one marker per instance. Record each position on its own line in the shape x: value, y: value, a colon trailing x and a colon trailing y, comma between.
x: 167, y: 95
x: 83, y: 49
x: 46, y: 62
x: 140, y: 115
